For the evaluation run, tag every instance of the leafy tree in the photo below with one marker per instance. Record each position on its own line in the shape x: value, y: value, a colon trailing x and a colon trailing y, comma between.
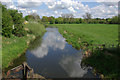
x: 18, y: 23
x: 7, y: 22
x: 44, y: 19
x: 80, y: 20
x: 114, y: 20
x: 51, y: 20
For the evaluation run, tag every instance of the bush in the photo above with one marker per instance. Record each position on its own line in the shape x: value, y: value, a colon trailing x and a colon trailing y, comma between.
x: 7, y: 23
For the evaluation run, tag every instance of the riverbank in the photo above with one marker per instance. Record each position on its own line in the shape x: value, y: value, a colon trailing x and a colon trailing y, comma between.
x: 104, y: 61
x: 13, y: 47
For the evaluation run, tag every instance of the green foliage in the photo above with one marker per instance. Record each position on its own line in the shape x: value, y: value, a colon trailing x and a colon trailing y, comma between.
x: 18, y: 23
x: 33, y: 16
x: 44, y: 19
x: 6, y: 22
x: 14, y: 46
x: 35, y: 28
x: 12, y: 23
x: 114, y: 20
x: 51, y: 20
x: 86, y: 20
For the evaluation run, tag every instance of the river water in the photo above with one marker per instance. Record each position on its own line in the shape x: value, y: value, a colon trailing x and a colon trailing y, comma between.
x: 53, y: 57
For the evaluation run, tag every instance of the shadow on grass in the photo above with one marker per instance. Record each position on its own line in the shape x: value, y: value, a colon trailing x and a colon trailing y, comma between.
x: 105, y: 62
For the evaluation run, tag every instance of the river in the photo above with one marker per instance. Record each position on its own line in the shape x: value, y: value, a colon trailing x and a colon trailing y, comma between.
x: 53, y: 57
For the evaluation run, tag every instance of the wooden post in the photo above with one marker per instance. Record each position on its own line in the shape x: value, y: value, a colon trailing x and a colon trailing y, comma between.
x: 24, y: 70
x: 31, y: 73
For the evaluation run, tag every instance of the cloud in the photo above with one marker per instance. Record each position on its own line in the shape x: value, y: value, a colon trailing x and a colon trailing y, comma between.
x: 28, y: 3
x: 31, y: 3
x: 58, y: 7
x: 104, y: 11
x: 34, y: 11
x: 8, y: 3
x: 64, y: 5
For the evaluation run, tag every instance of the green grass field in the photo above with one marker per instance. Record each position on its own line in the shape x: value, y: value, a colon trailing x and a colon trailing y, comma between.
x: 104, y: 62
x: 91, y: 33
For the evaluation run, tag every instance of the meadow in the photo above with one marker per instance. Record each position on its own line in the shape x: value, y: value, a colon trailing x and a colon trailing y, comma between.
x: 75, y: 34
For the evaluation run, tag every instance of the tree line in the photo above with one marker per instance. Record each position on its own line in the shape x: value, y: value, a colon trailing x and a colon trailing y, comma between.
x: 12, y: 22
x: 87, y: 19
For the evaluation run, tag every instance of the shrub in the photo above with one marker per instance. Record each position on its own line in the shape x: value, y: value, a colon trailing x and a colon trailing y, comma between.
x: 6, y: 22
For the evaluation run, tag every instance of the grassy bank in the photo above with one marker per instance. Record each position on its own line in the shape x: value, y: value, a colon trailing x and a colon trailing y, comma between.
x: 106, y: 61
x: 13, y: 47
x: 90, y: 33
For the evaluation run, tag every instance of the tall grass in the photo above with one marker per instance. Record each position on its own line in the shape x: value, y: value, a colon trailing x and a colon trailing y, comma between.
x: 35, y: 28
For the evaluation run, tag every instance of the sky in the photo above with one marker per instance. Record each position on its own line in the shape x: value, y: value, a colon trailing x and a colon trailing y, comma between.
x: 98, y: 8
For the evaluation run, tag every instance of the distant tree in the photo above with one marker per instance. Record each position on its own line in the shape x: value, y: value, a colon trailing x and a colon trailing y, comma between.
x: 114, y: 20
x: 77, y: 21
x: 32, y: 16
x: 51, y: 20
x: 44, y: 19
x: 35, y: 16
x: 59, y: 20
x: 80, y: 20
x: 87, y: 16
x: 68, y: 18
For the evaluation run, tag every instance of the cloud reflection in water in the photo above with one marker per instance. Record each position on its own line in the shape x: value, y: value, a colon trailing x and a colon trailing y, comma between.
x: 71, y: 64
x: 50, y: 40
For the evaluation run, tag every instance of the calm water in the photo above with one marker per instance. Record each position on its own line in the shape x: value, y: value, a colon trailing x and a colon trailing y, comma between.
x: 53, y: 57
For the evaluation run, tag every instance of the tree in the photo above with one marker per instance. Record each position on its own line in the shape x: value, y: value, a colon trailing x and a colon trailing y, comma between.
x: 33, y: 16
x: 44, y: 19
x: 80, y: 20
x: 7, y: 22
x: 114, y: 20
x: 18, y: 23
x: 51, y: 20
x: 87, y: 16
x: 59, y: 20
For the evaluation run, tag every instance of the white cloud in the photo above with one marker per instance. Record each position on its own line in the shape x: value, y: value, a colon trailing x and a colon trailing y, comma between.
x: 34, y: 11
x: 8, y: 3
x: 104, y: 11
x: 68, y: 5
x: 31, y: 3
x: 55, y: 12
x: 57, y: 7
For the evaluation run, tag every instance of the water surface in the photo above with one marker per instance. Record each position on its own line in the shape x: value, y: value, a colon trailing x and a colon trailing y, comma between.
x: 53, y: 57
